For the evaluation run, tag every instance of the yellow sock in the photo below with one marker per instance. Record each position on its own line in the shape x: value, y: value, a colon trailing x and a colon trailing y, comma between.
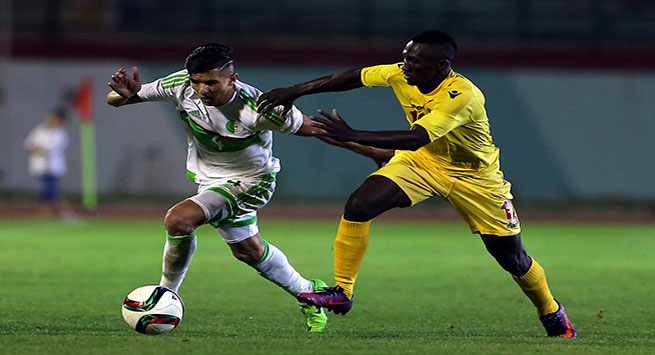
x: 534, y: 285
x: 349, y: 249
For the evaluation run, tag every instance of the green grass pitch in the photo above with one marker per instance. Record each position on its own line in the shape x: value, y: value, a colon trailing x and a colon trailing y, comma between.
x: 423, y: 288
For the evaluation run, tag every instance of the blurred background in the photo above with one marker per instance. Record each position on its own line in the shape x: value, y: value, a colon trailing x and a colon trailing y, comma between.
x: 568, y: 86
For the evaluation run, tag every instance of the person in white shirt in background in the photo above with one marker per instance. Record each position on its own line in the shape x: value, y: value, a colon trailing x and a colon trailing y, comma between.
x: 47, y: 144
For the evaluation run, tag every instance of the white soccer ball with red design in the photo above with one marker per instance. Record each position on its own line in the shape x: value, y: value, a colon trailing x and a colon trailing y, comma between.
x: 153, y: 309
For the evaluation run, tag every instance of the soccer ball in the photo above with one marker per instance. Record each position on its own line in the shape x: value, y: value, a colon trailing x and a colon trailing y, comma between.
x: 153, y: 309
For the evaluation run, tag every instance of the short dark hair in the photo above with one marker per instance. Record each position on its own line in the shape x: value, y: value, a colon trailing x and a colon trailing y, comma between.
x: 445, y: 42
x: 207, y: 57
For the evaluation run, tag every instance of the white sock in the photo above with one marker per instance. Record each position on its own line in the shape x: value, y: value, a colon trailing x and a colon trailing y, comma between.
x: 275, y: 267
x: 178, y: 253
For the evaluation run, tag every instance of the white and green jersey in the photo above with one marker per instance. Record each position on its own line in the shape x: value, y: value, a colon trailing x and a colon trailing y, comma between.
x: 227, y: 141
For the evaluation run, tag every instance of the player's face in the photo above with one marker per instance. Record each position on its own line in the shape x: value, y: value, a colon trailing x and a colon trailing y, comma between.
x: 214, y: 87
x: 421, y: 64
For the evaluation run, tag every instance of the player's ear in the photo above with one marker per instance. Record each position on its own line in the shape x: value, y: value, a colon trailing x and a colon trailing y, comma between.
x: 443, y: 64
x: 234, y: 77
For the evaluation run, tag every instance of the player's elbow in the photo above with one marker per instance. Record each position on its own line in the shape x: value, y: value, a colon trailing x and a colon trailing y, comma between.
x: 111, y: 99
x: 419, y: 137
x: 416, y: 145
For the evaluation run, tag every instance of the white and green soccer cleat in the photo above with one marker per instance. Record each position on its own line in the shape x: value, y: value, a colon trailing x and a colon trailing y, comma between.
x: 316, y: 317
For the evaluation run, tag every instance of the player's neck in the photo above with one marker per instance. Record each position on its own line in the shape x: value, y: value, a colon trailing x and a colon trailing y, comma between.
x: 432, y: 85
x: 229, y: 95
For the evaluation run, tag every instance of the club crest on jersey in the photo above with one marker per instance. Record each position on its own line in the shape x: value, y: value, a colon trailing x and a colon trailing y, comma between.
x: 233, y: 127
x: 195, y: 113
x: 510, y: 213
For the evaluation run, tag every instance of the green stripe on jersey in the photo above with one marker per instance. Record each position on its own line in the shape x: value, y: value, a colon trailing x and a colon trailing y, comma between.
x: 174, y: 84
x: 214, y: 141
x: 272, y: 116
x: 175, y: 77
x: 191, y: 176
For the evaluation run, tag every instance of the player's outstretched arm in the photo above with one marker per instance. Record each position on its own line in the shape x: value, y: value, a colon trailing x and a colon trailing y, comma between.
x: 125, y: 88
x: 285, y: 97
x: 336, y: 128
x: 380, y: 156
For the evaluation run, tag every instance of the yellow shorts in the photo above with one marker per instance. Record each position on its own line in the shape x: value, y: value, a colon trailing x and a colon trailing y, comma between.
x: 483, y: 199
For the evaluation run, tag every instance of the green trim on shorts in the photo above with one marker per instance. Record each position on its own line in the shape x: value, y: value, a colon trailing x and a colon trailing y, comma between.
x: 231, y: 200
x: 262, y: 186
x: 264, y: 257
x: 231, y: 224
x: 185, y: 239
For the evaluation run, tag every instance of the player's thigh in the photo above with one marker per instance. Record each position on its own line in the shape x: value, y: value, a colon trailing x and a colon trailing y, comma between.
x: 378, y: 192
x: 226, y: 200
x: 231, y: 207
x: 414, y: 179
x: 485, y: 203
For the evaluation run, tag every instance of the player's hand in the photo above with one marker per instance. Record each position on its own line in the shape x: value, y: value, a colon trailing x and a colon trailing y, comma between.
x: 277, y: 97
x: 380, y: 156
x: 333, y: 125
x: 124, y: 84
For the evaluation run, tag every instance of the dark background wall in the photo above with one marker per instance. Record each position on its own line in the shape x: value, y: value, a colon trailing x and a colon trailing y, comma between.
x: 567, y: 83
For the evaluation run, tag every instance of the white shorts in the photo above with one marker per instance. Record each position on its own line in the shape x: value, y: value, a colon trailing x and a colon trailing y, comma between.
x: 231, y: 206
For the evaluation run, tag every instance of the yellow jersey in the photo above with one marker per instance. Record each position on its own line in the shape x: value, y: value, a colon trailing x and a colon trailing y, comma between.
x: 453, y: 114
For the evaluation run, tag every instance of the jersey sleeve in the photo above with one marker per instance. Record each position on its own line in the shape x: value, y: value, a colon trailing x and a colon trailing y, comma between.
x: 380, y: 75
x: 287, y: 124
x: 449, y: 110
x: 164, y: 89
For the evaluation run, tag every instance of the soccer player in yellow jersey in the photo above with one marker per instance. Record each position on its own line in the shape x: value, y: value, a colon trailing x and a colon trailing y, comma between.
x: 448, y: 152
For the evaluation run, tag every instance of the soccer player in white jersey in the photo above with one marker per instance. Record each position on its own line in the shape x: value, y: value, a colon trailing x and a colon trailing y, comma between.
x: 230, y: 158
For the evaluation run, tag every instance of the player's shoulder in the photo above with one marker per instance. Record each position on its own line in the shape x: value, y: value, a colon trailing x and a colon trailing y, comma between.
x: 246, y: 92
x: 459, y: 81
x: 394, y: 69
x: 175, y: 81
x: 385, y: 69
x: 179, y: 75
x: 458, y: 85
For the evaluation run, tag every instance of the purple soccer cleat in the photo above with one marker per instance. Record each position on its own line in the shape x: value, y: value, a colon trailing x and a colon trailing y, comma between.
x: 331, y: 298
x: 558, y: 324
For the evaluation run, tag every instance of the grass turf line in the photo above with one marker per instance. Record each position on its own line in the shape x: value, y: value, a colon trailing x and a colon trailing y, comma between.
x: 423, y: 287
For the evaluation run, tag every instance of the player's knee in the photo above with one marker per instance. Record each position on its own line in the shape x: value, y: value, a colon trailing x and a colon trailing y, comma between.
x: 357, y: 209
x: 178, y: 224
x: 516, y: 264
